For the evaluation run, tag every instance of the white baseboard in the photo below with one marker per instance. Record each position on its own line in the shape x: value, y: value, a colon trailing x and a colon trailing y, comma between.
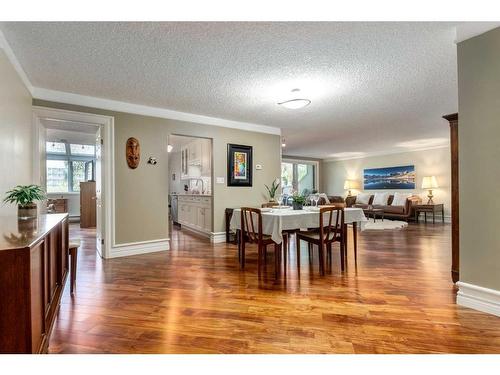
x: 136, y: 248
x: 478, y: 298
x: 195, y: 230
x: 218, y: 237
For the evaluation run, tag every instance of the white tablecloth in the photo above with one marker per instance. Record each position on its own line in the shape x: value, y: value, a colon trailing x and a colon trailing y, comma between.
x: 278, y: 220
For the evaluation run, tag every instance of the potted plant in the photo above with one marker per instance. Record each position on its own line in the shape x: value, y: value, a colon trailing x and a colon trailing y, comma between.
x: 273, y: 189
x: 298, y: 201
x: 25, y: 197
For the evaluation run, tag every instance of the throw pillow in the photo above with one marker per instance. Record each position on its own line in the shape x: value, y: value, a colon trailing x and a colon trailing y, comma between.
x: 363, y: 198
x: 400, y: 199
x: 380, y: 199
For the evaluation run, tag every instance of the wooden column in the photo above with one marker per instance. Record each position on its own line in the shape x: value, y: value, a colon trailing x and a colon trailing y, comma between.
x: 455, y: 237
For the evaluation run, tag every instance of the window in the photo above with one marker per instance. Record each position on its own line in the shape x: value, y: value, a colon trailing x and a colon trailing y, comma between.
x: 298, y: 176
x: 57, y: 176
x: 82, y: 149
x: 68, y: 165
x: 56, y: 147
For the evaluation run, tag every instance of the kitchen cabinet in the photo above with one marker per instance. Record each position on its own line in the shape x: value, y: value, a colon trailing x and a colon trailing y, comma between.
x: 195, y: 212
x: 196, y: 159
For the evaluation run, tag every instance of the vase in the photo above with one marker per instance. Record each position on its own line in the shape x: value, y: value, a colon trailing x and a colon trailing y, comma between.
x: 297, y: 206
x: 27, y: 212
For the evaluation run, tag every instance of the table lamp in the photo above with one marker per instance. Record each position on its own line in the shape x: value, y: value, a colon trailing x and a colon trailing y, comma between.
x: 429, y: 183
x: 348, y: 185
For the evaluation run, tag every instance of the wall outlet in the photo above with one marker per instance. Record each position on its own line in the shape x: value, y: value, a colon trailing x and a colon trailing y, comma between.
x: 219, y: 180
x: 258, y: 167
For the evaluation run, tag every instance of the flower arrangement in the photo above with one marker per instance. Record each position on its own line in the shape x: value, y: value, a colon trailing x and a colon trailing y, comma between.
x: 298, y: 201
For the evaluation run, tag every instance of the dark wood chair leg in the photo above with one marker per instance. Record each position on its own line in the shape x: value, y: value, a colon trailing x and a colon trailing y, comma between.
x: 73, y: 255
x: 297, y: 245
x: 242, y: 247
x: 285, y: 260
x: 342, y: 255
x: 321, y: 259
x: 277, y: 250
x: 355, y: 241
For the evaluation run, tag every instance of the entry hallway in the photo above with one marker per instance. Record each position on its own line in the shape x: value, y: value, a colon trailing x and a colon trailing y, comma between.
x: 194, y: 299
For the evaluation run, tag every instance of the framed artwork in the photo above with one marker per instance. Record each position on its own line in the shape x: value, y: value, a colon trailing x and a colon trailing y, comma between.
x: 239, y: 165
x: 389, y: 178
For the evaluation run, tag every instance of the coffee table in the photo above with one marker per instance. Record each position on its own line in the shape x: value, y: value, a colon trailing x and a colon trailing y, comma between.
x: 374, y: 212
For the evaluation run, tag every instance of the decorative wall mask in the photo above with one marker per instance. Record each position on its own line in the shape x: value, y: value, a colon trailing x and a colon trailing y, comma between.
x: 133, y: 152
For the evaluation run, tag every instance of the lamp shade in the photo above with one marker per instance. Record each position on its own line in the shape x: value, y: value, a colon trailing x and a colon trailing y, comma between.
x: 429, y: 182
x: 350, y: 184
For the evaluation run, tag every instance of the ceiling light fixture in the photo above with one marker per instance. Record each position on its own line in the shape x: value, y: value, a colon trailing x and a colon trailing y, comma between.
x: 283, y: 143
x: 295, y: 103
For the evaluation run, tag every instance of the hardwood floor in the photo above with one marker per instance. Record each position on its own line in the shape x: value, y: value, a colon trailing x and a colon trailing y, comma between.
x: 194, y: 299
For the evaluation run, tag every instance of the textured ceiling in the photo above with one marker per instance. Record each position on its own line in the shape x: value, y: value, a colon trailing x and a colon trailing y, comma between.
x: 372, y: 85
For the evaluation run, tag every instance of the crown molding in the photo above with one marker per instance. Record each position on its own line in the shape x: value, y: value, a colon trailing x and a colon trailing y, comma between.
x: 382, y: 153
x: 138, y: 109
x: 4, y: 45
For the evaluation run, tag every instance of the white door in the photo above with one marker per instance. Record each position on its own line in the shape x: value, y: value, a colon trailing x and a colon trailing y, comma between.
x: 98, y: 196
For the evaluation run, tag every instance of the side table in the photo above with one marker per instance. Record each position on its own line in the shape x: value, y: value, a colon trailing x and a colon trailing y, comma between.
x: 431, y: 208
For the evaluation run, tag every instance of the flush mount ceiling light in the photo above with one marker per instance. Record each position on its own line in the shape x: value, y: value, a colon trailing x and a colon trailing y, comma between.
x: 295, y: 103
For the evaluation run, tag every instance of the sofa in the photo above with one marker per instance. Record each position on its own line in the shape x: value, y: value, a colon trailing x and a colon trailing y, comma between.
x: 405, y: 212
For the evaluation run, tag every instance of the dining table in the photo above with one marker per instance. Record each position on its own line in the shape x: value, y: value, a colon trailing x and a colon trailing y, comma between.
x: 277, y: 219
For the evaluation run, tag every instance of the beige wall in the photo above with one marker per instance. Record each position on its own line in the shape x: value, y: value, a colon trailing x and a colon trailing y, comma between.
x: 16, y: 157
x: 434, y: 162
x: 479, y: 159
x: 141, y: 195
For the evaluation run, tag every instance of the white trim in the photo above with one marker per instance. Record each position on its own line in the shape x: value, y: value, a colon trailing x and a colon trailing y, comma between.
x: 478, y: 298
x: 108, y: 186
x: 15, y: 62
x: 136, y: 248
x: 381, y: 153
x: 218, y: 237
x: 114, y: 105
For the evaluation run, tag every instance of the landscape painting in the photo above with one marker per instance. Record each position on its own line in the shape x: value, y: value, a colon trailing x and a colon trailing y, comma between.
x: 389, y: 178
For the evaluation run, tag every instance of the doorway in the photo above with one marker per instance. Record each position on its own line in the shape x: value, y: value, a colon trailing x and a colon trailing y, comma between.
x: 72, y: 160
x: 190, y: 188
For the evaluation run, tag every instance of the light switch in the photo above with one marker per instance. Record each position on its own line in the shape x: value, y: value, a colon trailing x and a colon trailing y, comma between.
x: 258, y: 166
x: 219, y: 180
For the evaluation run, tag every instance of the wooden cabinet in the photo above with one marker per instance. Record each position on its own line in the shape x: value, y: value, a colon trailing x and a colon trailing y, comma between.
x: 195, y: 212
x: 33, y: 270
x: 60, y: 205
x: 87, y: 204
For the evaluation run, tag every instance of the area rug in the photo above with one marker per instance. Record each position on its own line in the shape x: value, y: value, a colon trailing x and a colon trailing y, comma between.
x: 383, y: 225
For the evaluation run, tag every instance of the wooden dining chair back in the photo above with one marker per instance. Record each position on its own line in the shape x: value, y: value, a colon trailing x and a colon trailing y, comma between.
x: 330, y: 230
x: 251, y: 231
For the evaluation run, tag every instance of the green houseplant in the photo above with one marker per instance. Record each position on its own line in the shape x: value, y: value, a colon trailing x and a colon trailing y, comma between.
x: 25, y: 196
x: 273, y: 189
x: 298, y: 201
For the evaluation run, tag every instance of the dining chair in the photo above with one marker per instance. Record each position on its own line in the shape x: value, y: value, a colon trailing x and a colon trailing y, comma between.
x: 251, y: 232
x: 286, y: 233
x: 330, y: 230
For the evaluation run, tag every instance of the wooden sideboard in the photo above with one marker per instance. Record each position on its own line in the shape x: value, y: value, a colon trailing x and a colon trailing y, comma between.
x: 33, y: 271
